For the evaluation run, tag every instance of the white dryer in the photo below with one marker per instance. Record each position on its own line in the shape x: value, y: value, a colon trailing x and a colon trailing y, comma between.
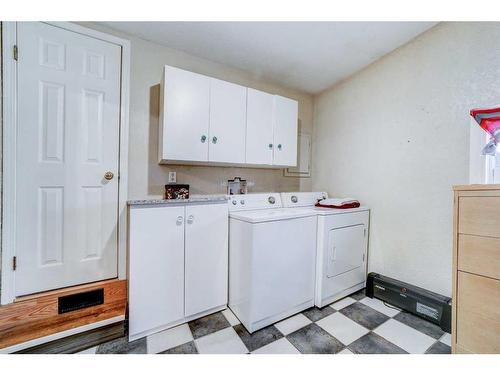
x: 342, y: 246
x: 272, y: 255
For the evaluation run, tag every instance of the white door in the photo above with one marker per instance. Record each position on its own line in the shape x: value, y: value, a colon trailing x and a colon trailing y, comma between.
x: 184, y: 132
x: 156, y: 268
x: 285, y: 131
x: 259, y: 134
x: 346, y: 249
x: 206, y: 251
x: 228, y: 110
x: 67, y: 139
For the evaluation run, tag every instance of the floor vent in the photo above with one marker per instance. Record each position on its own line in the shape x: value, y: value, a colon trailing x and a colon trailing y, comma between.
x: 80, y: 300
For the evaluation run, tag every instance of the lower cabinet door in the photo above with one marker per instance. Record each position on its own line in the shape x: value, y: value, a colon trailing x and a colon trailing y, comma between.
x: 156, y: 268
x: 206, y: 251
x: 478, y: 314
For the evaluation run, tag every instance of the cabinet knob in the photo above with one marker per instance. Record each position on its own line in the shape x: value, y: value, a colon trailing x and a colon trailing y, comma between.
x: 270, y: 145
x: 203, y: 138
x: 179, y: 221
x: 214, y: 140
x: 190, y: 219
x: 280, y: 147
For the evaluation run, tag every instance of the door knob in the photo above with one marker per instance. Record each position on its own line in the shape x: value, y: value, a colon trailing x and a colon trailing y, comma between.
x: 109, y: 175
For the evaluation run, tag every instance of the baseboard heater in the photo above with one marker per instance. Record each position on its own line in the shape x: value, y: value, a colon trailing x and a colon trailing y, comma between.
x: 421, y: 302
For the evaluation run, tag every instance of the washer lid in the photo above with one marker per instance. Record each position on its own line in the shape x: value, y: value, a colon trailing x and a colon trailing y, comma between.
x: 260, y: 216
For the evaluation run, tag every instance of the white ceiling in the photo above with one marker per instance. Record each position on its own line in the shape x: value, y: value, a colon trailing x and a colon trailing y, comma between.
x: 307, y: 56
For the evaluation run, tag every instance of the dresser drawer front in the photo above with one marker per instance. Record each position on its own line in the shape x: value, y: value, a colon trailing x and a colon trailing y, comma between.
x: 478, y: 314
x: 479, y: 255
x: 479, y: 216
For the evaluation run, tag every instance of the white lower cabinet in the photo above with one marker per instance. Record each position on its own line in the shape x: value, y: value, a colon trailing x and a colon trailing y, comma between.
x: 156, y: 267
x: 178, y: 264
x: 206, y: 258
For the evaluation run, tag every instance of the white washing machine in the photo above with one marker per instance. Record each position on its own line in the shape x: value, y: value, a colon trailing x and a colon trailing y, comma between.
x: 272, y: 256
x: 342, y: 246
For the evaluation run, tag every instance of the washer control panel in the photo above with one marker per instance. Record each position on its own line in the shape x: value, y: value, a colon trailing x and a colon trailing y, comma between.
x: 302, y: 199
x: 254, y: 201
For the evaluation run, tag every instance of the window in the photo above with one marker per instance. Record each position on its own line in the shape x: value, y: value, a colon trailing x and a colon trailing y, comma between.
x: 495, y: 169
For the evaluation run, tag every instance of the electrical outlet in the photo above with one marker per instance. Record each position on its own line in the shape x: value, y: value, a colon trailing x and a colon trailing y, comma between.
x: 172, y: 177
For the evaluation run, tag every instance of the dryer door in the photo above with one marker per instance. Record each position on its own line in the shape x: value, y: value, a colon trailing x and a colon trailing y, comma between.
x: 346, y: 248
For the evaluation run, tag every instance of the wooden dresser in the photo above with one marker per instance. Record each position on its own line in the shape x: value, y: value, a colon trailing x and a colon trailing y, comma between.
x: 476, y: 269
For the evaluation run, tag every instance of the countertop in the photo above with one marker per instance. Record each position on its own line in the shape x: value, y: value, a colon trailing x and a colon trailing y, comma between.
x: 193, y: 199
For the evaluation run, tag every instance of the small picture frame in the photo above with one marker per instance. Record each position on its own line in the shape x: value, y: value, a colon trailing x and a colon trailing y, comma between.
x: 177, y: 191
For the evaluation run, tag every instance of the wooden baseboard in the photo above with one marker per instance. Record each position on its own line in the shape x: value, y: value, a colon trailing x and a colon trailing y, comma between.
x: 37, y: 316
x: 80, y: 341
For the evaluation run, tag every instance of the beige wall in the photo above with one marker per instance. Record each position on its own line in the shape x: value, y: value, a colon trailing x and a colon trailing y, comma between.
x: 146, y: 177
x: 396, y: 134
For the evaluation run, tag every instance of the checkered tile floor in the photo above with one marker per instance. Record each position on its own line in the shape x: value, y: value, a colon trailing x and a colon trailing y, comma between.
x: 355, y: 324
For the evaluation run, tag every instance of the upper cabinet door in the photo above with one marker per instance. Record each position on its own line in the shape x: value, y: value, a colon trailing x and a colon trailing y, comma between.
x: 259, y: 134
x: 285, y: 131
x: 228, y: 109
x: 185, y: 116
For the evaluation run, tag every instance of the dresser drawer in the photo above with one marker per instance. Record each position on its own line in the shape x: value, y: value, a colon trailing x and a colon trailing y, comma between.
x: 478, y: 314
x: 479, y: 216
x: 479, y: 255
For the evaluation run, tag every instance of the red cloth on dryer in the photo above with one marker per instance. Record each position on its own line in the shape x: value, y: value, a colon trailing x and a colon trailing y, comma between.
x: 338, y: 203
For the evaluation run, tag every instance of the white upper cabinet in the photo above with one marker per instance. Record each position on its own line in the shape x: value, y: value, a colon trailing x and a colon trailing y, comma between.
x: 285, y: 131
x: 204, y: 121
x: 185, y: 116
x: 228, y: 111
x: 259, y: 136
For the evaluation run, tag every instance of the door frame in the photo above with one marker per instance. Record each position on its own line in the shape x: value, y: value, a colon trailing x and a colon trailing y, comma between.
x: 9, y: 130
